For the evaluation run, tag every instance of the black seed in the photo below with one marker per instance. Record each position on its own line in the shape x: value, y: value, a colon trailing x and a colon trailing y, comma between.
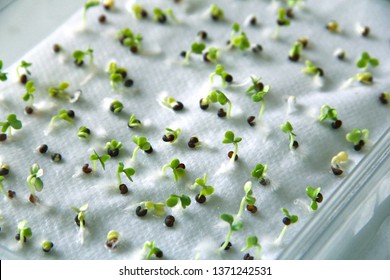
x: 23, y: 79
x: 181, y: 165
x: 200, y: 198
x: 251, y: 208
x: 129, y: 83
x: 320, y: 72
x: 4, y: 169
x: 183, y: 53
x: 319, y: 198
x: 178, y: 107
x: 191, y: 145
x: 56, y: 48
x: 149, y: 151
x: 264, y: 181
x: 248, y: 257
x: 337, y: 124
x: 205, y: 57
x: 286, y: 221
x: 159, y: 254
x: 357, y: 147
x: 203, y: 106
x: 361, y: 143
x: 337, y: 171
x: 290, y: 13
x: 79, y: 63
x: 281, y: 22
x: 169, y: 138
x: 162, y: 19
x: 134, y: 49
x: 194, y: 140
x: 77, y: 221
x: 304, y: 41
x: 113, y: 152
x: 17, y: 237
x: 257, y: 48
x: 123, y: 72
x: 382, y: 98
x: 294, y: 58
x: 295, y: 144
x: 365, y: 31
x: 214, y: 17
x: 169, y: 221
x: 253, y: 21
x: 202, y: 34
x: 86, y: 169
x: 144, y: 14
x: 32, y: 198
x: 228, y: 43
x: 251, y: 120
x: 43, y: 148
x: 140, y: 212
x: 3, y: 137
x: 56, y: 157
x: 29, y: 110
x: 102, y: 19
x: 229, y: 78
x: 123, y: 189
x: 11, y: 194
x: 229, y: 245
x: 221, y: 113
x: 341, y: 55
x: 70, y: 114
x: 230, y: 154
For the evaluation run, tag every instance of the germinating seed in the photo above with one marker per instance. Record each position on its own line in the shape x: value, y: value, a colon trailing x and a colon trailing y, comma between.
x: 286, y: 221
x: 56, y: 157
x: 32, y: 198
x: 11, y: 194
x: 4, y: 169
x: 178, y: 106
x: 202, y: 34
x: 251, y: 120
x: 264, y: 181
x: 77, y: 221
x: 382, y: 98
x: 56, y: 48
x: 183, y: 53
x: 200, y: 198
x: 140, y: 212
x: 337, y: 171
x: 86, y: 169
x: 230, y: 154
x: 221, y: 113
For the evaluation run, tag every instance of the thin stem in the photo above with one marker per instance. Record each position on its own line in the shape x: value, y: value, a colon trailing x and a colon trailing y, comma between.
x: 281, y: 234
x: 291, y: 137
x: 233, y: 158
x: 261, y: 110
x: 212, y: 78
x: 187, y: 57
x: 94, y: 165
x: 258, y: 252
x: 118, y: 176
x: 229, y: 109
x: 242, y: 205
x: 164, y: 168
x: 135, y: 153
x: 149, y: 255
x: 10, y: 131
x: 224, y: 245
x: 32, y: 190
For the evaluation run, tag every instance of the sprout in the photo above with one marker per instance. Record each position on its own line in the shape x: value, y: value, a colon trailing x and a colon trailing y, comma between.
x: 113, y: 147
x: 63, y: 115
x: 80, y: 219
x: 89, y: 4
x: 142, y: 144
x: 24, y: 232
x: 171, y: 135
x: 133, y: 122
x: 330, y: 113
x: 116, y: 106
x: 287, y: 220
x: 216, y: 12
x: 153, y: 250
x: 238, y: 38
x: 61, y: 92
x: 205, y: 189
x: 158, y: 208
x: 34, y: 181
x: 174, y: 199
x: 295, y: 51
x: 47, y: 245
x: 315, y: 195
x: 112, y: 239
x: 25, y: 65
x: 11, y: 122
x: 357, y: 137
x: 384, y: 97
x: 259, y: 174
x: 217, y: 96
x: 225, y: 76
x: 138, y: 11
x: 178, y: 169
x: 252, y: 242
x: 248, y: 198
x: 102, y: 159
x: 258, y: 91
x: 288, y: 129
x: 336, y: 161
x: 127, y: 171
x: 212, y: 54
x: 130, y: 40
x: 117, y: 76
x: 196, y: 48
x: 80, y: 55
x: 281, y: 21
x: 233, y: 226
x: 366, y: 60
x: 172, y: 103
x: 364, y: 78
x: 3, y: 75
x: 84, y: 132
x: 29, y: 95
x: 333, y: 26
x: 161, y: 16
x: 231, y: 139
x: 311, y: 69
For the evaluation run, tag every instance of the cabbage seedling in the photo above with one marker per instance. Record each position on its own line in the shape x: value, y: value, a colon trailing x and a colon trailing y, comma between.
x: 252, y: 242
x: 34, y: 181
x: 225, y: 76
x: 248, y: 198
x: 142, y: 144
x: 113, y: 147
x: 29, y: 95
x: 216, y: 96
x: 171, y: 135
x: 3, y: 75
x: 66, y: 115
x: 133, y: 122
x: 80, y: 219
x: 287, y: 221
x: 23, y: 232
x: 79, y: 56
x: 10, y: 123
x: 311, y: 69
x: 258, y: 173
x: 153, y: 250
x: 174, y: 199
x: 233, y: 226
x: 87, y: 6
x: 196, y: 48
x: 127, y: 171
x: 102, y: 159
x: 315, y: 196
x: 288, y: 129
x: 330, y: 113
x: 231, y: 139
x: 238, y: 38
x: 112, y: 239
x: 216, y: 12
x: 365, y: 60
x: 158, y: 208
x: 178, y: 169
x: 205, y: 189
x: 357, y: 137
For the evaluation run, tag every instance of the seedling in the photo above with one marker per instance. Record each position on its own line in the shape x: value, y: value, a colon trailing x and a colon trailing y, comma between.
x: 128, y: 39
x: 259, y: 174
x: 102, y: 159
x: 357, y: 137
x: 161, y: 16
x: 384, y: 97
x: 29, y: 95
x: 113, y: 147
x: 138, y: 11
x: 171, y: 135
x: 238, y: 38
x: 330, y: 113
x: 4, y: 169
x: 231, y: 139
x: 133, y: 122
x: 112, y: 239
x: 174, y: 199
x: 212, y: 55
x: 158, y: 208
x: 196, y: 48
x: 117, y: 76
x: 216, y: 96
x: 293, y: 3
x: 178, y: 169
x: 84, y: 132
x: 12, y: 122
x: 61, y: 92
x: 34, y: 181
x: 216, y: 13
x: 252, y: 242
x: 80, y: 219
x: 233, y: 226
x: 258, y: 91
x: 127, y: 171
x: 287, y: 221
x: 311, y: 69
x: 153, y: 250
x: 205, y: 189
x: 366, y: 60
x: 24, y: 65
x: 63, y: 114
x: 80, y: 55
x: 248, y: 198
x: 365, y: 78
x: 116, y: 106
x: 3, y: 75
x: 336, y: 161
x: 24, y: 232
x: 108, y: 4
x: 142, y: 144
x: 288, y: 129
x: 281, y: 20
x: 47, y: 245
x: 87, y: 6
x: 295, y: 51
x: 194, y: 142
x: 225, y: 76
x: 315, y: 195
x: 172, y: 103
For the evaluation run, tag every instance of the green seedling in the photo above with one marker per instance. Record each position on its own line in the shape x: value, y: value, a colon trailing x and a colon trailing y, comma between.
x: 80, y: 219
x: 178, y: 169
x: 172, y: 103
x: 171, y: 135
x: 112, y: 239
x: 205, y: 191
x: 225, y: 76
x: 311, y: 69
x: 288, y: 129
x: 158, y: 208
x: 216, y: 96
x: 336, y: 161
x: 384, y: 97
x: 287, y: 221
x: 87, y: 6
x: 366, y: 60
x: 142, y: 144
x: 24, y: 232
x: 102, y: 159
x: 34, y: 181
x: 11, y: 122
x: 330, y: 113
x: 233, y: 226
x: 247, y: 199
x: 138, y: 11
x: 295, y: 51
x: 134, y: 122
x: 47, y: 245
x: 252, y: 242
x: 116, y: 106
x: 62, y: 115
x: 196, y: 48
x: 281, y: 20
x: 3, y: 75
x: 23, y: 65
x: 238, y: 38
x: 129, y: 39
x: 357, y: 137
x: 84, y: 132
x: 315, y: 196
x: 29, y: 95
x: 113, y: 147
x: 117, y: 76
x: 212, y: 54
x: 79, y: 56
x: 216, y: 13
x: 259, y: 173
x: 258, y: 91
x: 365, y: 78
x: 174, y: 199
x: 153, y: 250
x: 60, y: 91
x: 127, y: 171
x: 231, y: 139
